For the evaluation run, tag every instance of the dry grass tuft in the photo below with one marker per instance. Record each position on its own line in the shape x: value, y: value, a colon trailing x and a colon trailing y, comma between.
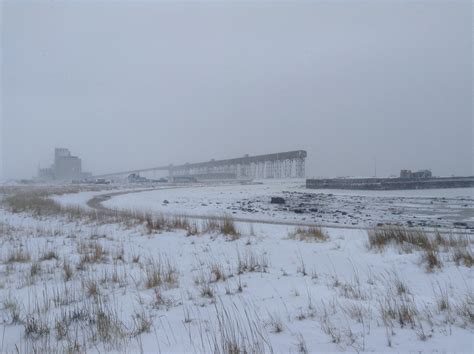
x: 206, y: 290
x: 155, y: 224
x: 276, y: 323
x: 465, y: 308
x: 36, y: 327
x: 12, y: 307
x: 142, y: 324
x: 18, y: 255
x: 239, y: 330
x: 250, y: 261
x: 312, y: 233
x: 92, y: 252
x: 380, y: 237
x: 408, y: 240
x: 432, y: 260
x: 49, y: 255
x: 192, y: 229
x: 67, y: 271
x: 160, y: 272
x: 463, y: 256
x: 162, y: 223
x: 160, y: 300
x: 35, y: 269
x: 210, y: 226
x: 218, y: 273
x: 225, y: 226
x: 92, y: 288
x: 228, y: 228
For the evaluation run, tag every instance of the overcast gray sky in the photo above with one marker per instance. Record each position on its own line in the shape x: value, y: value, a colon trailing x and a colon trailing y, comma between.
x: 138, y: 84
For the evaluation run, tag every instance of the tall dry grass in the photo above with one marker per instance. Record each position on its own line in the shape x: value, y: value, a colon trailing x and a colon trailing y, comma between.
x: 458, y: 248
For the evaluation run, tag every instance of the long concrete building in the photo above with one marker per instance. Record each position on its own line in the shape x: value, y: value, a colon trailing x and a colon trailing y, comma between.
x: 401, y: 183
x: 289, y: 164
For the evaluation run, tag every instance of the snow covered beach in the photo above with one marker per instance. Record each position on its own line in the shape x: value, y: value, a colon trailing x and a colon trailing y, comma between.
x: 74, y: 279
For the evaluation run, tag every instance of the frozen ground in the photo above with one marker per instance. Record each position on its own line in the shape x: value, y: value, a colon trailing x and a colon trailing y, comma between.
x: 448, y: 208
x: 69, y: 283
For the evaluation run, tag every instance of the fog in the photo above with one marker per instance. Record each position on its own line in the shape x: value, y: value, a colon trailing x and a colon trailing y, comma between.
x: 140, y: 84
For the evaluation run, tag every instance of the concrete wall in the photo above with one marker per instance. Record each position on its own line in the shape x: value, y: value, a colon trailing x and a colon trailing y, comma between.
x: 390, y: 183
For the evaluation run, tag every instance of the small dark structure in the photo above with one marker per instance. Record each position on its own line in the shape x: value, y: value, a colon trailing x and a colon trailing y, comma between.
x: 277, y: 200
x: 136, y: 178
x: 417, y: 174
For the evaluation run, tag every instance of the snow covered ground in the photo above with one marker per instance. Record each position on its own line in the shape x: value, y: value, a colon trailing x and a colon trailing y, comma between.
x: 445, y: 208
x: 69, y: 283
